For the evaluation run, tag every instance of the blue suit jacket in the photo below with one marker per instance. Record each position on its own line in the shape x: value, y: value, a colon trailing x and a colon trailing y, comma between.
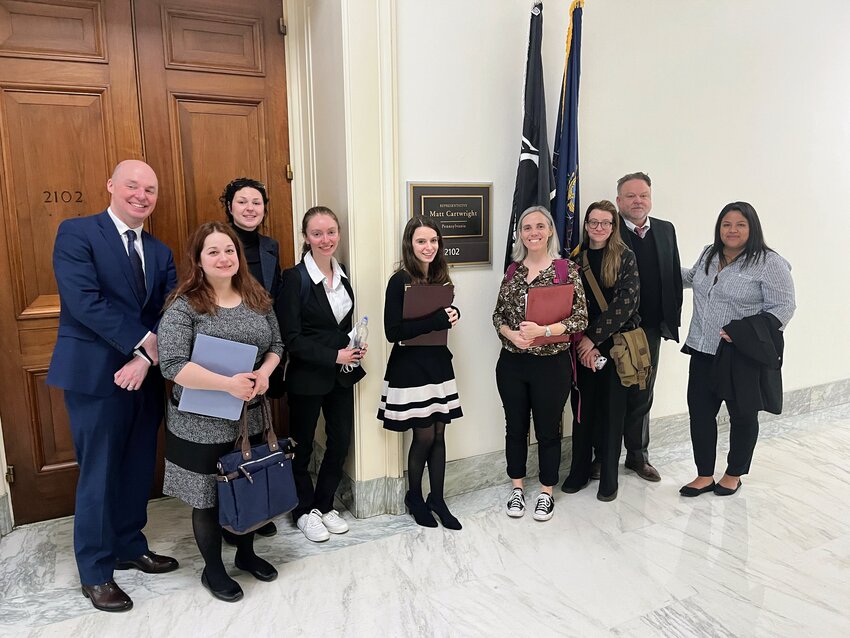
x: 102, y: 317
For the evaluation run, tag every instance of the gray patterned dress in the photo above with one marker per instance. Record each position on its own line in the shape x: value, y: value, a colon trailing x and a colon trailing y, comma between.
x: 194, y: 442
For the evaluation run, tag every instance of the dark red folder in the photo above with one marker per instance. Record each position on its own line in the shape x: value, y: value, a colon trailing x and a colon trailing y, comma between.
x: 547, y: 305
x: 420, y: 300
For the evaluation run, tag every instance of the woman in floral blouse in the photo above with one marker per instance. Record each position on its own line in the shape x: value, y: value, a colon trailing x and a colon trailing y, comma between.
x: 534, y: 380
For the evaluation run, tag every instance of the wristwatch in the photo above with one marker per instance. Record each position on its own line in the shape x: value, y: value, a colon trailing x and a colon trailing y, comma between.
x: 548, y: 331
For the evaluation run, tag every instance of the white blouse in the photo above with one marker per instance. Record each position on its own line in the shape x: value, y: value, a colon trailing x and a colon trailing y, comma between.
x: 338, y: 296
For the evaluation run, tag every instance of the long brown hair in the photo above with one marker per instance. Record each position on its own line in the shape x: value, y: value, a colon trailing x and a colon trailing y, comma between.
x: 310, y: 214
x: 612, y: 254
x: 438, y: 269
x: 193, y: 285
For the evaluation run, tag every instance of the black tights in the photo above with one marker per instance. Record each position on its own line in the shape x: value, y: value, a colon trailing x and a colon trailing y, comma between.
x: 208, y: 537
x: 428, y: 446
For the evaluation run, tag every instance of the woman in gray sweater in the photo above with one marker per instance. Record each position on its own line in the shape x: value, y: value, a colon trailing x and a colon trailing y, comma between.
x: 215, y: 296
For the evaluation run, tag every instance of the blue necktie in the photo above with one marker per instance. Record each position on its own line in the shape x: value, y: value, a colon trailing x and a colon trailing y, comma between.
x: 136, y: 263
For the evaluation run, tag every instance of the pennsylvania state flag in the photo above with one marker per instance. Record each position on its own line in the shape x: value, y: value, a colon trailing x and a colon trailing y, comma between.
x: 534, y: 180
x: 565, y: 204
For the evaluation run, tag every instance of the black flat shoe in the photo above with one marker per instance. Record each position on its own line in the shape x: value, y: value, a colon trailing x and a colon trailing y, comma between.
x: 440, y: 508
x: 719, y: 490
x: 570, y: 488
x: 607, y: 498
x: 419, y: 511
x: 258, y: 568
x: 230, y: 595
x: 269, y: 529
x: 687, y: 490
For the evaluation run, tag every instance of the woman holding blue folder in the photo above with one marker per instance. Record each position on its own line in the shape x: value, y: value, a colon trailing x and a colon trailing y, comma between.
x: 215, y: 296
x: 419, y: 392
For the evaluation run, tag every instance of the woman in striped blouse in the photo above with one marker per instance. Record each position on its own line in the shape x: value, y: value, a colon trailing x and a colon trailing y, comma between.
x: 737, y: 277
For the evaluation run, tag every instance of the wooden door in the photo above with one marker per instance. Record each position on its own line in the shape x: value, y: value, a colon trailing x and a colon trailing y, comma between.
x: 68, y: 112
x: 196, y: 88
x: 213, y: 93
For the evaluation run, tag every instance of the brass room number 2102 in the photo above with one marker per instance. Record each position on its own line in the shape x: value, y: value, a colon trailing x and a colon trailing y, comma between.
x: 62, y: 197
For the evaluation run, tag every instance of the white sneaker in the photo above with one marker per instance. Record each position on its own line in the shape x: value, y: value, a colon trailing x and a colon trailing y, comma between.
x: 516, y: 503
x: 312, y: 526
x: 334, y: 523
x: 545, y: 507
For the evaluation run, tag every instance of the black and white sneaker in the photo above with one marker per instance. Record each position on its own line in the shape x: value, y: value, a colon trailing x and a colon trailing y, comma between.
x: 545, y: 507
x: 516, y: 503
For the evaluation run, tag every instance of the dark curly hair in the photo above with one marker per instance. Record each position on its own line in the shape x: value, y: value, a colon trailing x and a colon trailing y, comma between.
x: 237, y: 185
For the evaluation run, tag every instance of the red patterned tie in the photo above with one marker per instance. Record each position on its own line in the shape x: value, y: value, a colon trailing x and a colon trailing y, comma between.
x: 640, y: 231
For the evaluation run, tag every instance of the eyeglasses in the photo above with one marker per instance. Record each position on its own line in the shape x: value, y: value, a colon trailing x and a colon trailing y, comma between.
x: 595, y: 223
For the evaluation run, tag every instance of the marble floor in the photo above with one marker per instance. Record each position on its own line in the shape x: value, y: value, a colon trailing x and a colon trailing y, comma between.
x: 773, y: 560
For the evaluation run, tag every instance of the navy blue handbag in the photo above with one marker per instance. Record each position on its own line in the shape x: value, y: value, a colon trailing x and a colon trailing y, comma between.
x: 255, y: 483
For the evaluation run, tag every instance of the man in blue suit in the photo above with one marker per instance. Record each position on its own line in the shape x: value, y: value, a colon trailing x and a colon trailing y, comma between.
x: 113, y: 281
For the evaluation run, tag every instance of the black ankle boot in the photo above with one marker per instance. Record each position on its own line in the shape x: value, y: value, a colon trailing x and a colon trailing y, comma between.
x: 419, y: 510
x: 440, y: 508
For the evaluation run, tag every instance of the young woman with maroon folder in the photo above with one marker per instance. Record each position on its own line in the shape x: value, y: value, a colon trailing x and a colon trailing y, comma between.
x: 420, y: 393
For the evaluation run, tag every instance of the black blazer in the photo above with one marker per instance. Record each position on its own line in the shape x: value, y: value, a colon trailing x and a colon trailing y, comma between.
x: 270, y: 263
x: 670, y: 266
x: 313, y: 337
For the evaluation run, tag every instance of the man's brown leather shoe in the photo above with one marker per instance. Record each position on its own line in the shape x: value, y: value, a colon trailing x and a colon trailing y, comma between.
x: 644, y: 470
x: 149, y: 563
x: 107, y: 597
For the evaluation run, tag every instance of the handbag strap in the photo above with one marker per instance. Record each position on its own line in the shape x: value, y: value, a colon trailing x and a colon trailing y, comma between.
x: 243, y: 443
x: 594, y: 285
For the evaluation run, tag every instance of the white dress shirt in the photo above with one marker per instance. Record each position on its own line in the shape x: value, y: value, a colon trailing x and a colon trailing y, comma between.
x: 631, y: 226
x: 337, y: 295
x: 123, y: 228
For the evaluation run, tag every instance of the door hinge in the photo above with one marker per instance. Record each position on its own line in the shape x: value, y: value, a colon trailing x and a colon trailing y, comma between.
x: 289, y: 174
x: 10, y: 474
x: 281, y: 26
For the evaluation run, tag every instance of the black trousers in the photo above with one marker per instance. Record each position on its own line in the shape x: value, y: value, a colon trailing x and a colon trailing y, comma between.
x: 600, y: 403
x: 338, y: 409
x: 638, y: 405
x: 538, y: 386
x: 703, y: 405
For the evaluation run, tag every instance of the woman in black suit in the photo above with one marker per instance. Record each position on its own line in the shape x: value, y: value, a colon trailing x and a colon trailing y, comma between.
x: 316, y: 312
x: 245, y: 203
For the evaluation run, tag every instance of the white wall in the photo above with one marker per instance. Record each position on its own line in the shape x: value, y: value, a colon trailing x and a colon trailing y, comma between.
x: 717, y: 100
x: 328, y: 111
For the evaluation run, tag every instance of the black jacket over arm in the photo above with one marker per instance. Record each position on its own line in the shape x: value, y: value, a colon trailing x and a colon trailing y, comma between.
x: 748, y: 370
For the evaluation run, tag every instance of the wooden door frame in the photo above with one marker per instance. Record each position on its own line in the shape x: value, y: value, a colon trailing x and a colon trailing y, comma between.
x: 302, y: 187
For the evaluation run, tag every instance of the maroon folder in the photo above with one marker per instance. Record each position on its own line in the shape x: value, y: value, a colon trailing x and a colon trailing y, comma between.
x: 420, y: 300
x: 547, y: 305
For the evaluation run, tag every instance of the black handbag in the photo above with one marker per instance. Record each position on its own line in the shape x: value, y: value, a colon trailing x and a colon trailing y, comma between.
x: 255, y: 483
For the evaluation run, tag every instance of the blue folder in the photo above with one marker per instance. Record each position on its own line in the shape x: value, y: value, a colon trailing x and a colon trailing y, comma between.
x: 223, y: 357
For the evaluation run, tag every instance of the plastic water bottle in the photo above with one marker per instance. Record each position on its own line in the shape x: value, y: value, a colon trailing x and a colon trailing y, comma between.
x: 360, y: 336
